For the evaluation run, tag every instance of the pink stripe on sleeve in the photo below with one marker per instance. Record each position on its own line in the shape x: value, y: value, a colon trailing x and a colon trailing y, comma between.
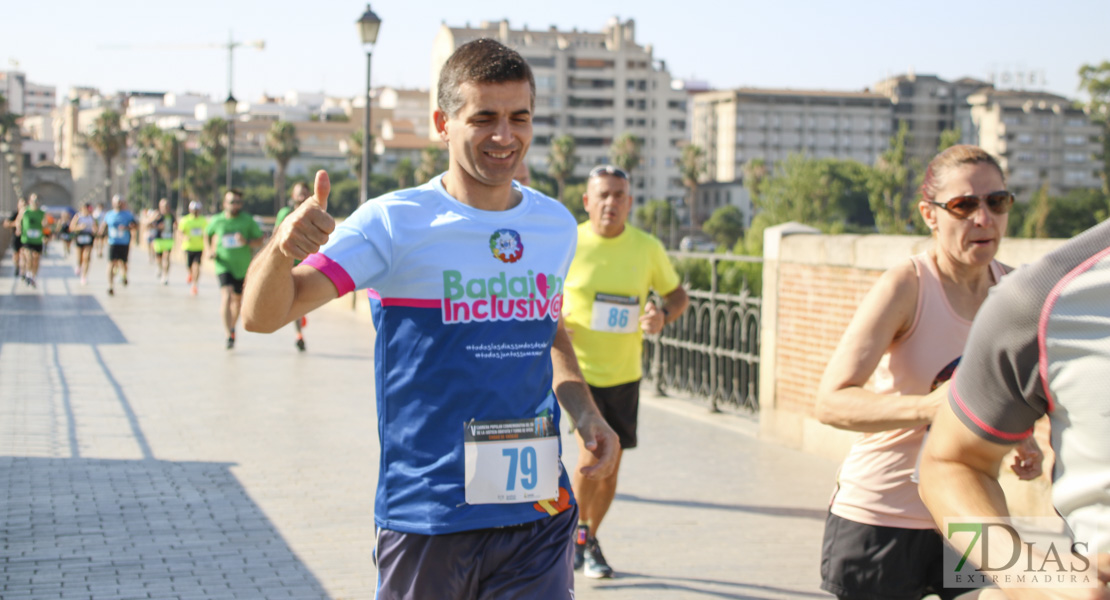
x: 331, y: 269
x: 998, y: 433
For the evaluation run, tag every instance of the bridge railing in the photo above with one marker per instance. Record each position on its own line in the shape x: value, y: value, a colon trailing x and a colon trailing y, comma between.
x: 711, y: 352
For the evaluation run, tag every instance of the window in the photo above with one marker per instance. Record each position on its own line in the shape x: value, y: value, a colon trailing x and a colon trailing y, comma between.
x: 540, y: 61
x: 1025, y: 138
x: 590, y: 63
x: 1075, y: 140
x: 1011, y: 120
x: 545, y: 82
x: 1074, y: 157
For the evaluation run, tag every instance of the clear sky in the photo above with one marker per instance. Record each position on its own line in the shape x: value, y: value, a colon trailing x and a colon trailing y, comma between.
x: 314, y: 46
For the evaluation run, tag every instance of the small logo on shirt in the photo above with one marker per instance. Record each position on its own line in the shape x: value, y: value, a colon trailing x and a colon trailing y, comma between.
x: 506, y: 245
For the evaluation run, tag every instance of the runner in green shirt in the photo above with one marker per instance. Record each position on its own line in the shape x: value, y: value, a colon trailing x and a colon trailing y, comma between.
x: 299, y: 195
x: 192, y: 228
x: 32, y: 238
x: 233, y: 236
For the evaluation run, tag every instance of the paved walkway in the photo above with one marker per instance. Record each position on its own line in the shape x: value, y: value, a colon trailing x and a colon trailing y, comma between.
x: 140, y: 459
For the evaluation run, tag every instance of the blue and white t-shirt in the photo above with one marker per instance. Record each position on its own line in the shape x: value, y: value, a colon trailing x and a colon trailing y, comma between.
x: 119, y: 227
x: 466, y: 303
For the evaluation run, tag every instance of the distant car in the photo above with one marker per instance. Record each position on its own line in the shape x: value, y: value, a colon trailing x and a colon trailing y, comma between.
x: 697, y: 243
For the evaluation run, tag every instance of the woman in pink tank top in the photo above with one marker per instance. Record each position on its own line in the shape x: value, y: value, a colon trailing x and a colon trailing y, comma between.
x: 906, y: 337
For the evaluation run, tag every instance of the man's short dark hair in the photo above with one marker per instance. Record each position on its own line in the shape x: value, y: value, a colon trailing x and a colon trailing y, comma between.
x: 235, y: 191
x: 481, y: 61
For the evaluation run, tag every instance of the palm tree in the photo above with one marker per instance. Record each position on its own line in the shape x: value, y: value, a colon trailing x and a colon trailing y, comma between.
x: 354, y: 152
x: 561, y: 160
x: 282, y: 146
x: 165, y: 158
x: 145, y: 141
x: 108, y: 139
x: 213, y: 142
x: 404, y: 172
x: 692, y: 168
x: 626, y: 152
x: 201, y: 176
x: 431, y: 162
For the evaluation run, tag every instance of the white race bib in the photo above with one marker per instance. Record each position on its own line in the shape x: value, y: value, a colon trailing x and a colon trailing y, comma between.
x: 231, y: 240
x: 196, y: 232
x: 34, y: 234
x: 615, y: 314
x: 511, y: 461
x: 84, y: 238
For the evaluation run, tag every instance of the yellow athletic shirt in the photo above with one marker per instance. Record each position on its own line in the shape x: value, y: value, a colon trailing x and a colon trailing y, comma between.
x: 193, y: 230
x: 606, y: 290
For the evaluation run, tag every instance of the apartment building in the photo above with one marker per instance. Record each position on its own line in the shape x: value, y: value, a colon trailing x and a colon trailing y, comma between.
x: 593, y: 86
x: 25, y: 97
x: 734, y: 126
x: 929, y: 106
x: 1038, y: 138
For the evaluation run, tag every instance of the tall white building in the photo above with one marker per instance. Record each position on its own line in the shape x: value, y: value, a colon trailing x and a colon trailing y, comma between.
x: 593, y: 86
x: 25, y: 97
x: 735, y: 126
x: 1038, y: 138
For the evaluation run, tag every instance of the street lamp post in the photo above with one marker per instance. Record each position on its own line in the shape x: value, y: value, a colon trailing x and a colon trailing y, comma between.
x: 368, y: 26
x: 229, y: 108
x: 181, y: 134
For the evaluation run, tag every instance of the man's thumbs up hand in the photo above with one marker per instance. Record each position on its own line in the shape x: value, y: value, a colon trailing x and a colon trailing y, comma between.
x: 307, y: 228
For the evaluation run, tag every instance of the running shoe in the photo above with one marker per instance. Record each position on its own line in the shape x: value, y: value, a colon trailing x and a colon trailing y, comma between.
x: 595, y: 566
x: 125, y: 281
x: 300, y: 344
x: 111, y: 292
x: 230, y: 342
x: 193, y: 290
x: 580, y: 536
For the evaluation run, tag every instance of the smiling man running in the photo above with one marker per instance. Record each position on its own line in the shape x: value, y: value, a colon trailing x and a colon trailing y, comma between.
x: 466, y: 280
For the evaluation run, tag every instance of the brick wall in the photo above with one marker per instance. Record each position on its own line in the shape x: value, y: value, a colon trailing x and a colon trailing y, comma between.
x: 816, y: 303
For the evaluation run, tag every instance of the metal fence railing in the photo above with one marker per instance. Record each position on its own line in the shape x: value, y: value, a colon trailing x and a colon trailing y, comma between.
x: 712, y: 352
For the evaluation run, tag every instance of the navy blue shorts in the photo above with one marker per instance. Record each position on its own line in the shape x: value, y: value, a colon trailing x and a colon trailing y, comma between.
x: 533, y: 560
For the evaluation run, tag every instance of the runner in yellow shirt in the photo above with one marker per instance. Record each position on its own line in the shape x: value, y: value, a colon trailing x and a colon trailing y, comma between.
x: 192, y: 228
x: 615, y: 267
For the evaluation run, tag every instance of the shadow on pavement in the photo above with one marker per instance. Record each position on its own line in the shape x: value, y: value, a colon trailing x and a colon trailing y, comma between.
x: 688, y: 587
x: 56, y: 319
x: 139, y: 528
x: 774, y: 511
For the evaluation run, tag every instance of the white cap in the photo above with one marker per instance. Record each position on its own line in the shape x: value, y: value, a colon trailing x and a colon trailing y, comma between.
x: 194, y: 205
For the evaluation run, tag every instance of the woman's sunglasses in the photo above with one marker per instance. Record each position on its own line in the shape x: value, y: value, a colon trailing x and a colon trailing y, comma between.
x: 962, y: 207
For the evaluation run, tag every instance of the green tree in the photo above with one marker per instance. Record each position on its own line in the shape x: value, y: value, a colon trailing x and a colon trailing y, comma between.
x: 691, y: 168
x: 887, y: 185
x: 354, y: 152
x: 201, y: 176
x: 431, y: 164
x: 108, y: 140
x: 282, y: 146
x: 1036, y: 222
x: 213, y: 142
x: 626, y: 152
x: 725, y: 226
x: 755, y: 173
x: 561, y: 160
x: 404, y: 172
x: 1095, y: 80
x: 655, y: 216
x: 1076, y: 212
x: 949, y: 138
x: 145, y: 140
x: 572, y: 199
x: 165, y: 159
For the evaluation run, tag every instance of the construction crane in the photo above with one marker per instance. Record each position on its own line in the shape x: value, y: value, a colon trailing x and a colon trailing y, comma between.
x: 230, y: 45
